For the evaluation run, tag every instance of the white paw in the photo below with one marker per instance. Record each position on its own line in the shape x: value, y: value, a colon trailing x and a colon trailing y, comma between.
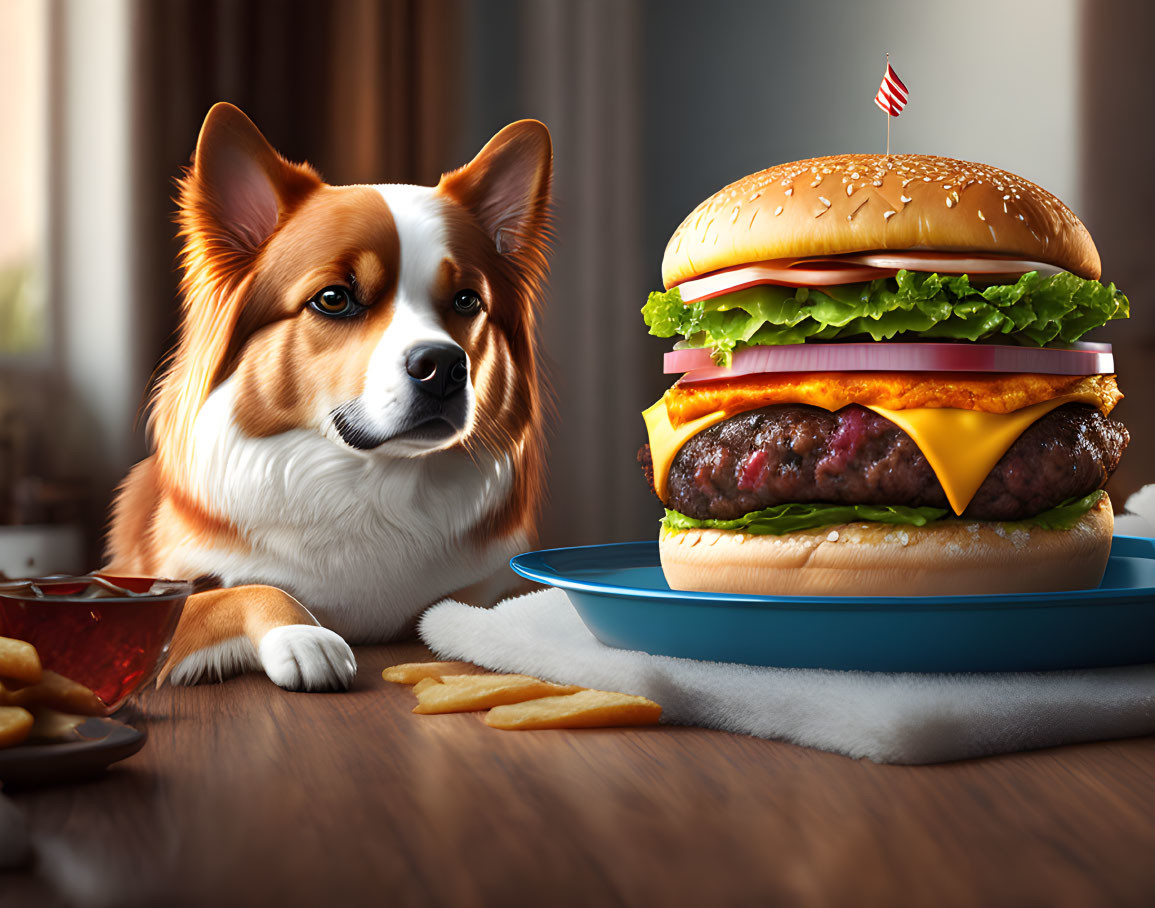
x: 307, y: 657
x: 215, y: 663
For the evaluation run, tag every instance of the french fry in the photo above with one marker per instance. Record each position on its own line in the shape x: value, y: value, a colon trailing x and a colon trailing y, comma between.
x: 54, y: 691
x: 585, y: 709
x: 412, y: 672
x: 15, y: 724
x: 19, y: 661
x: 424, y: 683
x: 467, y: 693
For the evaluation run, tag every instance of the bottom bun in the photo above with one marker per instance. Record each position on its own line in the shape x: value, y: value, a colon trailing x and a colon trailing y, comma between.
x: 949, y: 557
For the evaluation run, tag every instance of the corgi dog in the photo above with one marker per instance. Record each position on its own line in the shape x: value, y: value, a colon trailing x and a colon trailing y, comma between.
x: 350, y: 425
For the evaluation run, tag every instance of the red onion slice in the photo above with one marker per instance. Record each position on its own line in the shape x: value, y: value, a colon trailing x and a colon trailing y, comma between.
x: 1080, y: 359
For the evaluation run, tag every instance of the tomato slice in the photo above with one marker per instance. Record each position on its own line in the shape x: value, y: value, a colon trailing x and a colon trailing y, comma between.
x: 802, y: 274
x: 879, y: 356
x: 950, y: 263
x: 850, y: 269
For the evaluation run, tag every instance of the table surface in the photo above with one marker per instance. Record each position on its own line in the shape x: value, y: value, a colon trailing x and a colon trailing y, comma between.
x: 248, y: 794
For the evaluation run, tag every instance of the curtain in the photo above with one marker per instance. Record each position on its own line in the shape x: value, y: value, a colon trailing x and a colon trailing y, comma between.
x: 1118, y: 145
x: 578, y: 68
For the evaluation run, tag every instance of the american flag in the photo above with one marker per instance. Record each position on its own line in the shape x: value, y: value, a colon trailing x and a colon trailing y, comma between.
x: 892, y: 94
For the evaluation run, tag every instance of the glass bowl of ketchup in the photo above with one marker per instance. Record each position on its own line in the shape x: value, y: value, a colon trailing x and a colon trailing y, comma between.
x: 110, y: 634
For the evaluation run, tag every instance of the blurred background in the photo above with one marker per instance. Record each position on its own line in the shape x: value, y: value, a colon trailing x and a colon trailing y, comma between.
x: 653, y: 105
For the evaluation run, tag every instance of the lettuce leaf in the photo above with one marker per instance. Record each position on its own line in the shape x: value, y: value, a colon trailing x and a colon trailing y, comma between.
x: 1033, y: 311
x: 788, y: 518
x: 1065, y: 515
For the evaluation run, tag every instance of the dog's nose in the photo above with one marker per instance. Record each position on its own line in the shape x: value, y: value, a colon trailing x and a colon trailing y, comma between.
x: 437, y: 368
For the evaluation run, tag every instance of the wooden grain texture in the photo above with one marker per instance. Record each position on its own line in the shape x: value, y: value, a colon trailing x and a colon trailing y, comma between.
x: 246, y: 794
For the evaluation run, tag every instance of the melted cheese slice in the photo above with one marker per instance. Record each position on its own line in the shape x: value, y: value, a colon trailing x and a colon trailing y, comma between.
x: 666, y: 441
x: 961, y: 446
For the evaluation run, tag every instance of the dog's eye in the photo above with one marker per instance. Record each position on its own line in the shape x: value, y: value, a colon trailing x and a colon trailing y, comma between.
x: 336, y: 302
x: 467, y: 302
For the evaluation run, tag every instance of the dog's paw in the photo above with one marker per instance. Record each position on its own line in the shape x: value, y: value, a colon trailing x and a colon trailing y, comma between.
x: 214, y: 663
x: 307, y: 657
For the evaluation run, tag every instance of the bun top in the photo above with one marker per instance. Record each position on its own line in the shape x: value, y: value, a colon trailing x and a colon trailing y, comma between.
x: 871, y: 202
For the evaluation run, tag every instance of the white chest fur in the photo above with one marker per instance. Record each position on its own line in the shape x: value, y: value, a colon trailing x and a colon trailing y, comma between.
x: 363, y: 540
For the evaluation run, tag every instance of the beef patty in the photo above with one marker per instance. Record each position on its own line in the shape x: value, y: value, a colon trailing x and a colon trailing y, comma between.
x: 796, y: 453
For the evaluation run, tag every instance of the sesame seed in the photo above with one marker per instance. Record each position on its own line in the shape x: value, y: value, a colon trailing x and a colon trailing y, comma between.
x: 981, y: 218
x: 832, y: 536
x: 734, y: 214
x: 850, y: 189
x: 826, y: 202
x: 777, y: 211
x: 789, y: 192
x: 887, y: 215
x: 905, y: 199
x: 950, y: 203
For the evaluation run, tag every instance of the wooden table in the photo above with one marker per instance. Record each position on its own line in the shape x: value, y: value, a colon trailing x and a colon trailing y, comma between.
x: 246, y: 794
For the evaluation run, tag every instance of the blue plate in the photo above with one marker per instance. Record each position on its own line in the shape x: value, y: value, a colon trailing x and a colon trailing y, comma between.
x: 623, y: 598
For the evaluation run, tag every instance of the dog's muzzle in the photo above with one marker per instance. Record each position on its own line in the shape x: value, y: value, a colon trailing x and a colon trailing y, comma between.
x: 437, y: 410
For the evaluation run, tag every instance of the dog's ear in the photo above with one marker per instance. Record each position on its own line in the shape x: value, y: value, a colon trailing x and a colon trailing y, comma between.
x: 507, y: 186
x: 239, y: 188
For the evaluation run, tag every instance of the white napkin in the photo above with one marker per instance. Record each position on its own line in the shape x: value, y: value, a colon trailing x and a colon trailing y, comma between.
x: 889, y: 718
x: 1139, y: 516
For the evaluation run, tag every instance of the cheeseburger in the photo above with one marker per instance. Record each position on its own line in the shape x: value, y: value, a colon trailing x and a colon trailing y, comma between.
x: 883, y: 389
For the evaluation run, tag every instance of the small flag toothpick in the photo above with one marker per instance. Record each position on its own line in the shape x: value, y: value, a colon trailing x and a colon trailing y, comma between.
x: 891, y: 97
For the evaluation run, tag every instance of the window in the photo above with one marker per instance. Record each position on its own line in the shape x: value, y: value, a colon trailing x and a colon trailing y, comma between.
x: 24, y: 319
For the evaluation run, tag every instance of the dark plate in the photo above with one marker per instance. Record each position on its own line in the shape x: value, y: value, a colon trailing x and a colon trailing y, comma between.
x: 91, y: 746
x: 622, y: 596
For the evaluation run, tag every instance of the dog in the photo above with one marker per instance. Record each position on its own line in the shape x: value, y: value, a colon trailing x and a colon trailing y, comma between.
x: 349, y: 427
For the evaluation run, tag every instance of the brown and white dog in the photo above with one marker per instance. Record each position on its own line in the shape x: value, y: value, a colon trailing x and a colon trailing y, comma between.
x: 350, y: 424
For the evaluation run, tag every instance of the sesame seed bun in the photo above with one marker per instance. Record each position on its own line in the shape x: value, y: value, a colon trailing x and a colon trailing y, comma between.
x: 948, y: 557
x: 867, y: 202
